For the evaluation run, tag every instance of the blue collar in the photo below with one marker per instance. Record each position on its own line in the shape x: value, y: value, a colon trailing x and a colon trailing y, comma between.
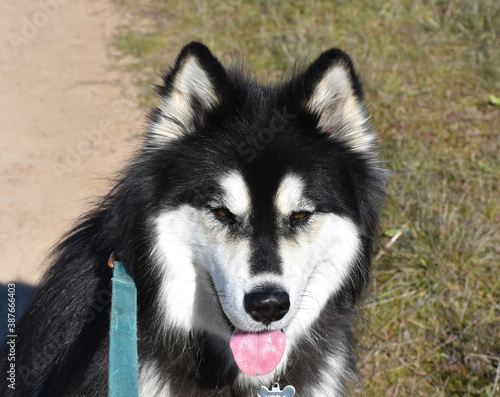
x: 123, y: 368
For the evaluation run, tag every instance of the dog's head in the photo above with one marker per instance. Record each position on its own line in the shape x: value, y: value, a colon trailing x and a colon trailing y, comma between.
x: 266, y: 197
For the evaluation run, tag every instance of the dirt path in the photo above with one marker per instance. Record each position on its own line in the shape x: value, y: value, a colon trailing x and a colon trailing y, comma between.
x: 68, y: 121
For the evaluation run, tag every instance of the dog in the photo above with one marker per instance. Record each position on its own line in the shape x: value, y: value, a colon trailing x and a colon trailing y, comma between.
x: 246, y: 220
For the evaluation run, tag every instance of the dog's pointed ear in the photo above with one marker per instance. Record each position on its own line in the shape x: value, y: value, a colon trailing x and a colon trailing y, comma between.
x: 332, y: 91
x: 195, y: 86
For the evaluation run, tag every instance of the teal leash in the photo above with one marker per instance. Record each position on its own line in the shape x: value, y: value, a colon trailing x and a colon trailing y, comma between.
x: 123, y: 367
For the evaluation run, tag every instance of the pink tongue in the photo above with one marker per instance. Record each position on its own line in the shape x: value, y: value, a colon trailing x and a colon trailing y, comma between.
x: 257, y: 353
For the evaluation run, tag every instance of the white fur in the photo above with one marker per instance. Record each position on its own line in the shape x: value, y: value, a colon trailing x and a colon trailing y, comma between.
x: 236, y: 196
x: 177, y: 113
x: 316, y: 261
x: 186, y: 252
x: 330, y: 385
x: 341, y: 115
x: 151, y: 382
x: 315, y: 266
x: 174, y: 256
x: 290, y: 196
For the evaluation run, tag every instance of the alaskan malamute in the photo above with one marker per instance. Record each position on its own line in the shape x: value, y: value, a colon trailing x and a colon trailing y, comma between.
x: 246, y: 220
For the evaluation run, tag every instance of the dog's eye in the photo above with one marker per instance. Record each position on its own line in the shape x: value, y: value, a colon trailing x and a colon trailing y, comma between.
x: 223, y: 214
x: 297, y: 217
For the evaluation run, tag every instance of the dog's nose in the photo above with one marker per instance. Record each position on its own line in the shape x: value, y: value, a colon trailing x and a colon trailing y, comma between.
x: 267, y: 306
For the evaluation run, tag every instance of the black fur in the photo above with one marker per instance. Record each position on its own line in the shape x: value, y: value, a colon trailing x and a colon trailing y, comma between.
x: 263, y: 131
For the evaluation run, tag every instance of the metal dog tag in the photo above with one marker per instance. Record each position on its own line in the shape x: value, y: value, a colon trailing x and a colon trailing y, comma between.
x: 275, y: 391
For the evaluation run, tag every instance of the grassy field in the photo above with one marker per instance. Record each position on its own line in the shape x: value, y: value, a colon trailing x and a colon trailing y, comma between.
x: 432, y: 75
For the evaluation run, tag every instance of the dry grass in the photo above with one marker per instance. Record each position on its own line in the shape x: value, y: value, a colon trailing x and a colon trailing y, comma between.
x: 430, y: 68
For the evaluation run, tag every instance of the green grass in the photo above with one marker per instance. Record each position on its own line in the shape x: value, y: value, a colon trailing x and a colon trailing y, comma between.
x: 433, y: 319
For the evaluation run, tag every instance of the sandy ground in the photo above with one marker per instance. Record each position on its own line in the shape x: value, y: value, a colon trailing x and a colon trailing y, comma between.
x: 68, y: 121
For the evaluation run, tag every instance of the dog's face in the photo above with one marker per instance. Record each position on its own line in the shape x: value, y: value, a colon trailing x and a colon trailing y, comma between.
x: 270, y: 263
x: 264, y: 212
